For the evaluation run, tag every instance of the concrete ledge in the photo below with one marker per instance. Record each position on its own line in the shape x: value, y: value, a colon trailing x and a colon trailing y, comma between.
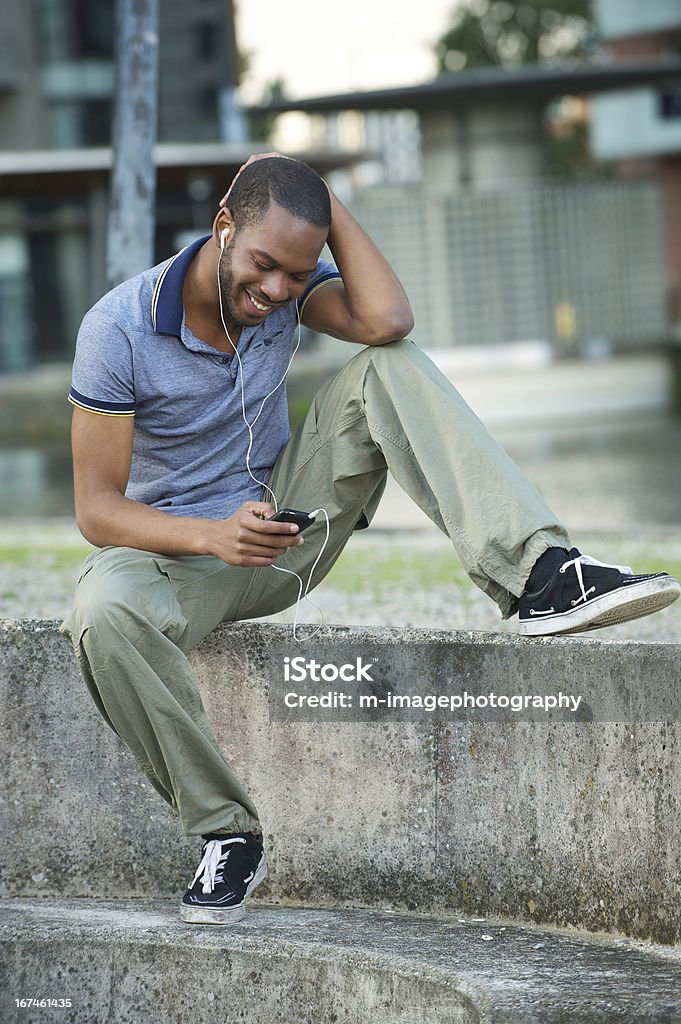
x: 133, y: 962
x: 570, y: 823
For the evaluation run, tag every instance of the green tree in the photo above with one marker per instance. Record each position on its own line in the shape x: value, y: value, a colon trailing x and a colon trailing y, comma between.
x: 507, y: 33
x: 260, y: 123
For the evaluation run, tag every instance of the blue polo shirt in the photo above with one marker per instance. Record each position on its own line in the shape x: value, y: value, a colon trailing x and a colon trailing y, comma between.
x: 135, y: 356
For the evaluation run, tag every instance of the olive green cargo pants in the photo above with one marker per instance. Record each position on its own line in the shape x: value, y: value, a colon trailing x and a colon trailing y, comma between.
x: 136, y: 613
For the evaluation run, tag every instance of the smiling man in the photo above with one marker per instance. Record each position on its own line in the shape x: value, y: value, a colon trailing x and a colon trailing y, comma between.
x: 169, y: 482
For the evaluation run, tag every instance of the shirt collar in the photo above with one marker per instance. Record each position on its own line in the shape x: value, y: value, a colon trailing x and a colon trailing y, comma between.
x: 167, y: 307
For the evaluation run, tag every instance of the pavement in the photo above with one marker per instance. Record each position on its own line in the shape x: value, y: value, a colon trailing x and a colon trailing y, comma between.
x: 132, y: 961
x: 597, y: 437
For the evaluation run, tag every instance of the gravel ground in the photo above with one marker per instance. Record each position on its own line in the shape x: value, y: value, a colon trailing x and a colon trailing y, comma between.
x: 394, y: 578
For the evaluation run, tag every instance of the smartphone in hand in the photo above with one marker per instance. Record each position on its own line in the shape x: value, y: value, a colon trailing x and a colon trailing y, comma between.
x: 292, y: 515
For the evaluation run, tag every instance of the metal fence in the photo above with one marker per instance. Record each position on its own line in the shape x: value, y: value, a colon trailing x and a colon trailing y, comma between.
x: 569, y: 264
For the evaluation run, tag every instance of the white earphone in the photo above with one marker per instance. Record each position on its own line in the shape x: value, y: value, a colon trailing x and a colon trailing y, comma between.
x: 224, y: 235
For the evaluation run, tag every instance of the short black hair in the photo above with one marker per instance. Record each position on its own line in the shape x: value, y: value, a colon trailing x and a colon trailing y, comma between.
x: 290, y: 184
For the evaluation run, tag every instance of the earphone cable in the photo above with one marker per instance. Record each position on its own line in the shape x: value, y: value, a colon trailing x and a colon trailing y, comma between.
x: 261, y: 483
x: 249, y: 426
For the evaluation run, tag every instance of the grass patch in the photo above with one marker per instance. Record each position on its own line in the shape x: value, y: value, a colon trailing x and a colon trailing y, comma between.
x: 43, y: 556
x: 380, y: 566
x: 394, y: 565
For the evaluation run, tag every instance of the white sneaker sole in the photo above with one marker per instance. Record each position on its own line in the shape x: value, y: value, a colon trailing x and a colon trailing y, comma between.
x: 631, y: 601
x: 228, y: 915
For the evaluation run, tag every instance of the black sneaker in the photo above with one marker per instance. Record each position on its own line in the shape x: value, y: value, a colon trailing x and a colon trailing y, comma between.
x: 587, y: 594
x: 229, y: 871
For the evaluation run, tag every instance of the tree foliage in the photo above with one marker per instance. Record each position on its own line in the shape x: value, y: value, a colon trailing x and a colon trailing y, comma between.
x: 261, y: 124
x: 507, y: 33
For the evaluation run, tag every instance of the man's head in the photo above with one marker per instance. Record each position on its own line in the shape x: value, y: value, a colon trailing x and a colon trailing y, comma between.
x: 289, y: 183
x: 270, y: 232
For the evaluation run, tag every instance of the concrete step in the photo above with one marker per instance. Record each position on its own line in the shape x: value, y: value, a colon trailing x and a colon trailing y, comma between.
x: 565, y: 818
x: 131, y: 962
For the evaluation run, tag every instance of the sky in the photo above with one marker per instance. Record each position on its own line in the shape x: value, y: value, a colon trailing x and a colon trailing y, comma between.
x: 319, y: 48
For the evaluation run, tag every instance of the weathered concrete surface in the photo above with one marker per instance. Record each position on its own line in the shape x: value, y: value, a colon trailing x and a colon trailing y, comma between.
x: 133, y: 962
x: 567, y: 823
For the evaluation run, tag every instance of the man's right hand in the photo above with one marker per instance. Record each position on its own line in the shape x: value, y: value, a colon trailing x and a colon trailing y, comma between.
x: 248, y: 538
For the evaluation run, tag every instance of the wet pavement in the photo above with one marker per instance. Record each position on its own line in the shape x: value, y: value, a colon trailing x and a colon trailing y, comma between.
x: 596, y: 438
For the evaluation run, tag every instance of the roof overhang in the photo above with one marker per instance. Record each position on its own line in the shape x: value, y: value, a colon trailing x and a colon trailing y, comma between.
x: 60, y: 172
x: 527, y: 85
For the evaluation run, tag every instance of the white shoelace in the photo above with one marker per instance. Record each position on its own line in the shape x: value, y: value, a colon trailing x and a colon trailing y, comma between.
x: 577, y: 564
x: 213, y: 859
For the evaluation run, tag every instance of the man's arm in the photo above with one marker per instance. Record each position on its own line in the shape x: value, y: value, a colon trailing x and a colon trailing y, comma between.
x: 102, y: 454
x: 370, y: 306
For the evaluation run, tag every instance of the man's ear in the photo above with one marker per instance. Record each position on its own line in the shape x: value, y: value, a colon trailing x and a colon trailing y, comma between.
x: 223, y: 227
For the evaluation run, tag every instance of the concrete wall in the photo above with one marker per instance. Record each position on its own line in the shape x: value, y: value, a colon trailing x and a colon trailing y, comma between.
x: 496, y: 265
x: 631, y: 17
x: 573, y: 822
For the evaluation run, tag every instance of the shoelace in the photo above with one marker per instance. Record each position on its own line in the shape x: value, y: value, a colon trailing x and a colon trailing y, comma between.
x: 577, y: 564
x: 213, y: 861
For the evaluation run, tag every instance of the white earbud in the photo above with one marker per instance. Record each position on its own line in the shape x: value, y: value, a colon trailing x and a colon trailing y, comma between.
x: 224, y: 235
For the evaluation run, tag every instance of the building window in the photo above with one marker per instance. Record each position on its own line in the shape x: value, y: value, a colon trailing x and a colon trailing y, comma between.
x: 94, y: 28
x: 205, y: 40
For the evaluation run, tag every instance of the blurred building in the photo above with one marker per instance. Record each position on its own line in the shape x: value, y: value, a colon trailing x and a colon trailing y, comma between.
x: 640, y: 128
x: 57, y: 72
x: 491, y: 247
x: 56, y: 94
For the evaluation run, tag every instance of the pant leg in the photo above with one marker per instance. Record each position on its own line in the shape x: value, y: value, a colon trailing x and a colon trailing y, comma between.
x: 390, y: 408
x: 129, y: 628
x: 330, y: 462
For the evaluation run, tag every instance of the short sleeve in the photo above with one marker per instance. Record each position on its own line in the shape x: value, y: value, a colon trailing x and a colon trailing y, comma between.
x: 324, y: 273
x: 103, y: 379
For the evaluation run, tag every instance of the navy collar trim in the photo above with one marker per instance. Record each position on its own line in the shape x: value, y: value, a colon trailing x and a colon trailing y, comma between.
x: 167, y: 307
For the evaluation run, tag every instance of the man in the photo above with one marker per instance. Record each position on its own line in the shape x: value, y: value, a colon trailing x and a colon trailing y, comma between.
x: 179, y: 417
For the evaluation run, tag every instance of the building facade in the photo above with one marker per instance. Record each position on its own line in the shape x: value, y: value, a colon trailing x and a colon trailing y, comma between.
x: 57, y: 70
x: 640, y: 128
x: 490, y: 247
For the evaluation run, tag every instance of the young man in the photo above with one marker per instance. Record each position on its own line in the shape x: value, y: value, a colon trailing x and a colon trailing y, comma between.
x: 168, y: 476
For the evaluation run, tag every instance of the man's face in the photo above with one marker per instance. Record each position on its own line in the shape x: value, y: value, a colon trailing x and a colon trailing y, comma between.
x: 268, y: 264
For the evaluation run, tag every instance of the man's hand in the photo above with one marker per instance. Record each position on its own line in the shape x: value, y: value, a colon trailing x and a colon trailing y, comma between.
x: 247, y: 538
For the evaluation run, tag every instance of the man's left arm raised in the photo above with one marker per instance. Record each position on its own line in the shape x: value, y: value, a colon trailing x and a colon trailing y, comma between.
x: 369, y: 306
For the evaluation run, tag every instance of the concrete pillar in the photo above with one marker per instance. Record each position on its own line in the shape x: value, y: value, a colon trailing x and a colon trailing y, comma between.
x: 482, y: 147
x: 98, y: 213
